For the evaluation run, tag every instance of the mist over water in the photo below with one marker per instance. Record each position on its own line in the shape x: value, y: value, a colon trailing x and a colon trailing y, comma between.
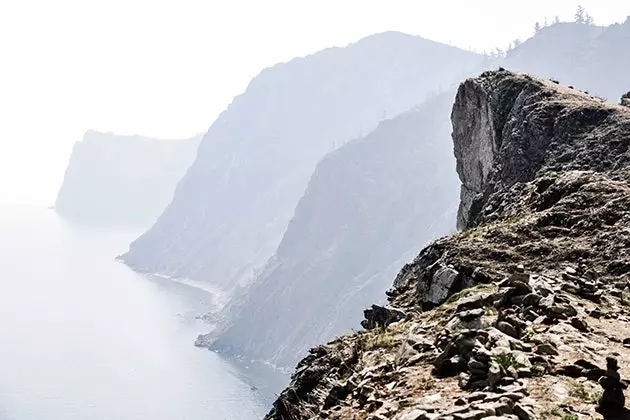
x: 84, y: 337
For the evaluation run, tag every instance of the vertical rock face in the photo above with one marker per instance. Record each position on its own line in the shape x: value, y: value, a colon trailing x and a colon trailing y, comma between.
x: 544, y: 254
x: 231, y: 210
x: 114, y: 180
x: 539, y: 131
x: 478, y: 132
x: 476, y: 155
x: 367, y: 210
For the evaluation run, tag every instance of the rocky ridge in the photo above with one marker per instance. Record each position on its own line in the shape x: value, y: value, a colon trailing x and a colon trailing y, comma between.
x: 365, y: 211
x: 524, y: 313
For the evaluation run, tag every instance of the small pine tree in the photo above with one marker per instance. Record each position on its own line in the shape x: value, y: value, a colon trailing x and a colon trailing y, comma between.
x: 580, y: 15
x: 556, y: 19
x: 588, y: 19
x: 546, y: 22
x: 517, y: 42
x: 537, y: 27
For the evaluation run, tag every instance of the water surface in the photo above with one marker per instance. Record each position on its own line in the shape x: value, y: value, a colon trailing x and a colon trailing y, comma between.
x: 83, y: 337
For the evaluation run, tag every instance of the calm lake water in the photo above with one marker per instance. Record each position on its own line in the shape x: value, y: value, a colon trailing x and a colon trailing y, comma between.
x: 83, y: 337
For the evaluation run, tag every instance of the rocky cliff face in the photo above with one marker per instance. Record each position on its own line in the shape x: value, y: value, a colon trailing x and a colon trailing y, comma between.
x: 231, y: 210
x: 368, y: 209
x: 514, y: 316
x: 114, y: 180
x: 330, y: 263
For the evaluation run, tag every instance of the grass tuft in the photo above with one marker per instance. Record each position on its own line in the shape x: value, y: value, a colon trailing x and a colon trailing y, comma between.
x: 507, y: 360
x: 579, y: 390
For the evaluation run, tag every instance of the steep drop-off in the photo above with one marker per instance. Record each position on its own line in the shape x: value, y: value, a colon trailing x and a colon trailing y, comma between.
x: 368, y: 209
x: 514, y: 316
x: 331, y: 264
x: 231, y: 210
x: 114, y: 180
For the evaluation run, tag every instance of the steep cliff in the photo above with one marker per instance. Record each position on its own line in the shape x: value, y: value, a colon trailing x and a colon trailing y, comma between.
x: 368, y: 209
x: 330, y: 265
x: 514, y: 316
x: 114, y: 180
x: 230, y: 211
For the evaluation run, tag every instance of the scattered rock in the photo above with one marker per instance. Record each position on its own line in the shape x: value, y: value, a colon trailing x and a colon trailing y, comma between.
x: 547, y: 349
x: 471, y: 315
x: 444, y: 282
x: 380, y: 316
x: 523, y: 413
x: 579, y: 324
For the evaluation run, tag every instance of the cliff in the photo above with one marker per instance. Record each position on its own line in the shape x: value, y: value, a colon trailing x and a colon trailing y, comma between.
x: 114, y: 180
x: 363, y: 217
x: 514, y: 316
x: 230, y: 211
x: 368, y: 209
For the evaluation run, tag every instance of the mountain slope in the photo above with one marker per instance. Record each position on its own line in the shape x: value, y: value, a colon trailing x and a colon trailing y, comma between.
x: 122, y: 180
x: 528, y: 305
x: 331, y: 263
x: 591, y: 58
x: 368, y: 209
x: 230, y: 211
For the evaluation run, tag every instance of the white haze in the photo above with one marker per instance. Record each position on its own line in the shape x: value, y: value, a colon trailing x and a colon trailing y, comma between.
x: 167, y: 69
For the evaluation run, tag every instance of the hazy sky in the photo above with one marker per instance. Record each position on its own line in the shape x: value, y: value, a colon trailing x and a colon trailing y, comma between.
x: 167, y: 68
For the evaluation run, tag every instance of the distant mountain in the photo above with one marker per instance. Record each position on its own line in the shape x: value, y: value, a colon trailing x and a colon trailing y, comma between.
x: 230, y: 211
x: 591, y: 58
x: 371, y: 205
x: 114, y: 180
x: 368, y: 209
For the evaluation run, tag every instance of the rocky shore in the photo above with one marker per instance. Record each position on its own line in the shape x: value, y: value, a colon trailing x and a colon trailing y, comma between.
x: 524, y: 313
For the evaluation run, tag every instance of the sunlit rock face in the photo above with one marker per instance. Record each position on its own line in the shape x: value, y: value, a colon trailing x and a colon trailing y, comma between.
x: 126, y: 181
x: 232, y: 208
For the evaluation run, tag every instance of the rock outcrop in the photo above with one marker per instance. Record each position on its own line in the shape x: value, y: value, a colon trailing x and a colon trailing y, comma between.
x: 341, y: 248
x: 114, y: 180
x: 514, y: 316
x: 368, y: 209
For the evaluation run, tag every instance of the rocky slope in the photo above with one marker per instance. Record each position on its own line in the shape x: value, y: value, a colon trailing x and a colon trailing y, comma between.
x: 231, y: 210
x: 117, y: 180
x: 368, y: 209
x: 513, y: 317
x: 342, y: 247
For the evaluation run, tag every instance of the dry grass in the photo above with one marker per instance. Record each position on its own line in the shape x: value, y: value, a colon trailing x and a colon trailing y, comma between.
x: 381, y: 338
x: 579, y: 390
x: 425, y: 383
